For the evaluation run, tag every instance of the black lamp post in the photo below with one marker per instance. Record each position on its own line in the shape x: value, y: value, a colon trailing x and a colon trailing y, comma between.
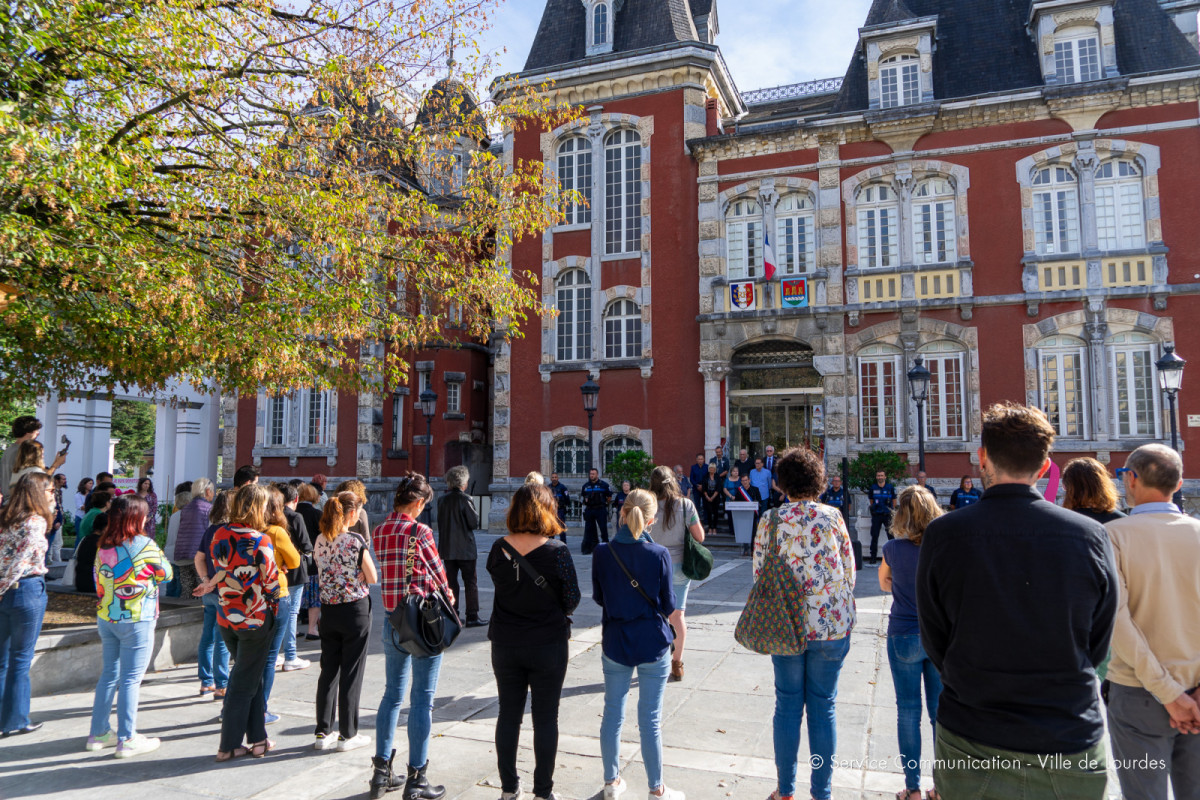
x: 591, y: 392
x: 428, y: 400
x: 918, y: 385
x: 1170, y: 378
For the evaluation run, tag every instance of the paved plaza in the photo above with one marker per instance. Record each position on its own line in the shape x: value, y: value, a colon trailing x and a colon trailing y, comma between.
x: 717, y: 722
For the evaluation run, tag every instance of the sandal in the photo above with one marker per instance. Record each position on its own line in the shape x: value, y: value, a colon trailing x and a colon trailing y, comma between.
x: 229, y: 755
x: 260, y: 749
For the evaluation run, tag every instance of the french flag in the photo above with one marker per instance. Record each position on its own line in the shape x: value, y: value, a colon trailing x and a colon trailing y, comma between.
x: 768, y: 257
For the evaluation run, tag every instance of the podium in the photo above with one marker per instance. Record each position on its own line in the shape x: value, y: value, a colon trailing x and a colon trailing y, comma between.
x: 743, y: 514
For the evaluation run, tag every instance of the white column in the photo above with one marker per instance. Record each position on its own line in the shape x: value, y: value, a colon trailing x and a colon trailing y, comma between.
x: 87, y: 423
x: 715, y: 373
x: 167, y: 469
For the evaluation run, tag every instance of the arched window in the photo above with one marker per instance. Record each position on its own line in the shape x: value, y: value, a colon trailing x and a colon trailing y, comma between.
x: 878, y: 399
x: 795, y: 244
x: 899, y: 81
x: 614, y: 447
x: 934, y: 234
x: 570, y: 457
x: 1135, y: 396
x: 1063, y: 384
x: 623, y: 192
x: 575, y: 174
x: 878, y: 224
x: 600, y: 24
x: 574, y: 316
x: 1077, y: 55
x: 945, y: 406
x: 744, y: 239
x: 1055, y: 211
x: 1120, y: 214
x: 623, y: 330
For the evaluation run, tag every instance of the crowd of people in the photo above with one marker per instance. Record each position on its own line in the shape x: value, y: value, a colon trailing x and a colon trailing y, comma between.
x: 1006, y: 611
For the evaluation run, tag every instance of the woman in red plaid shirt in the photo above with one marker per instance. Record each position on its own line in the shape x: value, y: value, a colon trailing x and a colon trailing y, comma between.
x: 391, y: 540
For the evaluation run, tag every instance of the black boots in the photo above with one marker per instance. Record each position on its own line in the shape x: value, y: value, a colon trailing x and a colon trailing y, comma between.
x: 383, y: 780
x: 417, y: 786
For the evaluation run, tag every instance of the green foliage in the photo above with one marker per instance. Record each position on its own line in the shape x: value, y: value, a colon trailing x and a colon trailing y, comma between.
x: 863, y: 468
x: 634, y: 466
x: 133, y: 424
x: 16, y: 407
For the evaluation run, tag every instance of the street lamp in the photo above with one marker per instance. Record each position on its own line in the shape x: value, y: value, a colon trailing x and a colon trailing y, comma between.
x: 918, y: 385
x: 1170, y: 378
x: 428, y: 400
x: 590, y: 391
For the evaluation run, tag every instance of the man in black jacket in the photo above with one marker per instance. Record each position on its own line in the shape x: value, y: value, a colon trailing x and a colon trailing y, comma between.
x: 457, y: 521
x: 1017, y: 599
x: 298, y: 577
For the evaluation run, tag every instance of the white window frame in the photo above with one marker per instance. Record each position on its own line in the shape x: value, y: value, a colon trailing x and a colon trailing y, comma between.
x: 575, y: 174
x: 743, y: 239
x: 1058, y: 348
x: 323, y: 406
x: 1122, y: 347
x: 879, y: 358
x: 398, y: 421
x: 573, y: 329
x: 622, y: 192
x: 424, y: 381
x: 1056, y: 210
x: 1120, y: 206
x: 1077, y: 55
x: 878, y: 227
x: 453, y: 397
x: 579, y: 448
x: 899, y: 81
x: 795, y: 234
x: 937, y: 423
x: 600, y: 15
x: 934, y: 222
x: 276, y: 406
x: 622, y: 329
x: 613, y: 446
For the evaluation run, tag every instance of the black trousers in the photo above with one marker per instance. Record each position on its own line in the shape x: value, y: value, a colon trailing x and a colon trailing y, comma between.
x: 470, y: 585
x: 244, y: 712
x: 879, y: 521
x: 595, y: 528
x: 345, y: 629
x: 519, y: 671
x: 712, y: 512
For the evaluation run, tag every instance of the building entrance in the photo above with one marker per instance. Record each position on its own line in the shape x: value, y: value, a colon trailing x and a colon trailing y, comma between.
x: 775, y: 398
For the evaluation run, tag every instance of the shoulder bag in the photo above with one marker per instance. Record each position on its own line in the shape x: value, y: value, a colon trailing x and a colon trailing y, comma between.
x: 775, y: 618
x: 697, y: 559
x: 633, y: 582
x: 423, y: 626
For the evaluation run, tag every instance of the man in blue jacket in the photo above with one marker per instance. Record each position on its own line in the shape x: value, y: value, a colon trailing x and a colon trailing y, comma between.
x: 596, y: 496
x: 882, y: 498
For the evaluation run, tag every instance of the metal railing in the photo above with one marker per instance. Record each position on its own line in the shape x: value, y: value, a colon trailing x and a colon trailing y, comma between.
x: 791, y: 91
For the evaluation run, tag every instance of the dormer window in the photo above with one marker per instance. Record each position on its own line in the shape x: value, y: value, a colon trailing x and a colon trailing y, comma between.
x: 1076, y: 40
x: 899, y: 61
x: 900, y: 81
x: 600, y: 24
x: 601, y: 19
x: 1077, y: 55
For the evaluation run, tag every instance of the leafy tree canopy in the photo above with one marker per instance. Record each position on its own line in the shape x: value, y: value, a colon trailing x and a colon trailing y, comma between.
x: 252, y: 193
x: 634, y: 466
x: 133, y: 425
x: 869, y: 462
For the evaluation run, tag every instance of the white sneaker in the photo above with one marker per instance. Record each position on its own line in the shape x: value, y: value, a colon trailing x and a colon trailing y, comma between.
x: 296, y: 663
x: 325, y: 741
x: 353, y: 743
x: 519, y: 794
x: 136, y: 745
x: 668, y: 794
x: 95, y: 743
x: 551, y: 796
x: 278, y: 661
x: 615, y: 790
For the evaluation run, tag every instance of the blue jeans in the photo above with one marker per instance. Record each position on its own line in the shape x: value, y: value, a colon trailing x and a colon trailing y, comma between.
x: 681, y: 583
x: 397, y: 666
x: 21, y: 611
x: 286, y: 613
x: 296, y: 601
x: 127, y: 649
x: 212, y: 661
x: 809, y: 679
x: 652, y: 685
x: 909, y: 665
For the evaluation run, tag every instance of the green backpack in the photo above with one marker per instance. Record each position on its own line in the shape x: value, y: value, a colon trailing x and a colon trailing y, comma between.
x: 775, y: 618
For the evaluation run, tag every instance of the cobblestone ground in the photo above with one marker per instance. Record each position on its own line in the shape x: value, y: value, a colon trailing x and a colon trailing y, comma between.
x: 717, y: 723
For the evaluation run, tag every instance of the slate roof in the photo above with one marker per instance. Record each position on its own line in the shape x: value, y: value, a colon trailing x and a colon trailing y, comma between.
x: 701, y: 7
x: 983, y: 46
x: 561, y: 36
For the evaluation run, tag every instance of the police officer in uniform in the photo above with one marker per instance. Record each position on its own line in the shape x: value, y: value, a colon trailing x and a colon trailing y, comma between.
x: 596, y: 495
x: 562, y: 497
x: 837, y: 496
x: 882, y: 496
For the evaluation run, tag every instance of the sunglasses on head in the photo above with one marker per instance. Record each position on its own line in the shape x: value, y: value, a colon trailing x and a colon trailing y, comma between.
x: 1122, y: 471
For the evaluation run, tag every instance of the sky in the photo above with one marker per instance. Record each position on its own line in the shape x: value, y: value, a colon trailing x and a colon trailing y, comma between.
x: 765, y: 42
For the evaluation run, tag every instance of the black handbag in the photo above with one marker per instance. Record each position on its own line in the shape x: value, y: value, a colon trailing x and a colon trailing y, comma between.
x: 423, y: 626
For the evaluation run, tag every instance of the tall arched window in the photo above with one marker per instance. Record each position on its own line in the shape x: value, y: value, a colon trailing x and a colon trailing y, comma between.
x: 945, y: 407
x: 623, y: 192
x: 744, y: 239
x: 614, y: 447
x: 600, y: 24
x: 795, y: 244
x: 1077, y: 55
x: 1055, y: 211
x: 574, y: 316
x: 934, y: 234
x: 1120, y: 214
x: 575, y: 174
x: 570, y: 457
x: 1135, y: 396
x: 878, y: 224
x: 623, y: 330
x: 878, y: 371
x: 899, y: 81
x: 1063, y: 384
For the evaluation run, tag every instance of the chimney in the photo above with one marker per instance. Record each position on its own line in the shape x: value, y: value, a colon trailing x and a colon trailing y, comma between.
x: 712, y: 119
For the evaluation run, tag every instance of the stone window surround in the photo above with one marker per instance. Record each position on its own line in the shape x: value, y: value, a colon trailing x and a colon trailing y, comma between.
x: 1052, y: 16
x: 1084, y: 158
x: 884, y: 41
x: 589, y: 12
x: 548, y: 438
x: 458, y: 378
x: 903, y: 176
x: 1094, y: 325
x: 292, y: 450
x: 909, y: 338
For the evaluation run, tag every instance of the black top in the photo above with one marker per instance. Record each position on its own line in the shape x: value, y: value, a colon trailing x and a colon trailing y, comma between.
x: 1100, y: 516
x: 457, y: 521
x: 85, y: 562
x: 523, y: 614
x: 1017, y: 599
x: 312, y: 522
x: 744, y: 467
x: 298, y: 533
